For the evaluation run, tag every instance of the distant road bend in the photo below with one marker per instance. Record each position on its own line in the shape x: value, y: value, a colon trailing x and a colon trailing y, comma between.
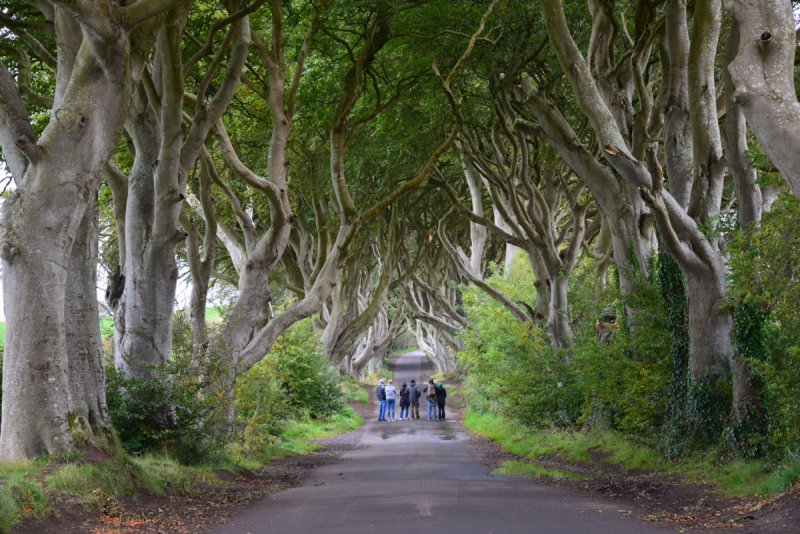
x: 423, y: 476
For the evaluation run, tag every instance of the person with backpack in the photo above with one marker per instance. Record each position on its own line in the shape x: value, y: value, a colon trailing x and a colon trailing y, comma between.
x: 413, y: 399
x: 391, y: 398
x: 441, y: 395
x: 404, y: 404
x: 381, y: 392
x: 430, y: 394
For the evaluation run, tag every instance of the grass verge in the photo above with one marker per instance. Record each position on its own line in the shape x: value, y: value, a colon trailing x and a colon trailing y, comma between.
x: 740, y: 477
x: 353, y: 391
x: 296, y: 438
x: 25, y: 485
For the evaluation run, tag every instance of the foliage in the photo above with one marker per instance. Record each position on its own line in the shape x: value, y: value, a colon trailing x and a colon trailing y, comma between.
x: 765, y: 282
x: 168, y: 409
x: 510, y: 366
x: 514, y: 371
x: 624, y: 379
x: 637, y: 384
x: 293, y: 385
x: 304, y: 373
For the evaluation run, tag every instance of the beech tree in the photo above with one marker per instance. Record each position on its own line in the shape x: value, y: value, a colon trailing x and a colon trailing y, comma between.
x: 156, y: 188
x: 101, y: 52
x: 689, y: 211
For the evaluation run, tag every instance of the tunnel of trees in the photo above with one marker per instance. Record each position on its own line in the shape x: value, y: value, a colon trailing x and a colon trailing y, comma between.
x: 586, y: 213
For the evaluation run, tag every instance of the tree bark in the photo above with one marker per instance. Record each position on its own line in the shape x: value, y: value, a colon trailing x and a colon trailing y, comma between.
x: 40, y: 221
x: 700, y: 261
x: 88, y: 411
x: 763, y: 75
x: 629, y: 219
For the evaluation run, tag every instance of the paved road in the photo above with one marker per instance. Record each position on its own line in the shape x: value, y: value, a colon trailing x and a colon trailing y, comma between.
x: 423, y: 476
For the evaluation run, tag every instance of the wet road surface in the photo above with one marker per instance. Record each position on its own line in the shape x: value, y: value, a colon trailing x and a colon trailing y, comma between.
x: 423, y: 476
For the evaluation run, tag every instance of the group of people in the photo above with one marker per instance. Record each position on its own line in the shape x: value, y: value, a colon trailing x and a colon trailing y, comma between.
x: 410, y: 396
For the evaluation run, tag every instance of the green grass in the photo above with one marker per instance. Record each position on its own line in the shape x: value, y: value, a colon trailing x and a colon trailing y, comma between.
x: 360, y: 396
x: 353, y: 391
x: 20, y: 496
x: 296, y: 439
x: 404, y: 351
x: 741, y: 477
x: 106, y: 326
x: 298, y: 434
x: 525, y: 469
x: 113, y: 477
x: 163, y: 474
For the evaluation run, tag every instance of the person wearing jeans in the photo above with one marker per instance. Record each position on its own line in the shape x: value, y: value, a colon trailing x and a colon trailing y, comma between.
x: 381, y: 392
x: 404, y: 404
x: 391, y: 398
x: 430, y: 392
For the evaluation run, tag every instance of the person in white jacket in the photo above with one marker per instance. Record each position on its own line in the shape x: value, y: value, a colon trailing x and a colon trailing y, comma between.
x: 391, y: 399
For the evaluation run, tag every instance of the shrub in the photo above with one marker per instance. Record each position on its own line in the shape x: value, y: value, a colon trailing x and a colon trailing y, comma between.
x: 294, y: 381
x: 170, y: 409
x: 305, y: 375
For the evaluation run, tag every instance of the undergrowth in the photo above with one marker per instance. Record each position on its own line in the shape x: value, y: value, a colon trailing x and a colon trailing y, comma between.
x: 25, y: 485
x: 604, y: 446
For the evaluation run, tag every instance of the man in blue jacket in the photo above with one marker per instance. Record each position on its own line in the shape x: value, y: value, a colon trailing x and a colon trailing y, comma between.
x: 382, y: 400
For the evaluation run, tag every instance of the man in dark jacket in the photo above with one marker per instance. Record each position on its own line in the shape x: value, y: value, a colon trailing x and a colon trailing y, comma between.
x: 381, y: 392
x: 441, y: 395
x: 413, y: 398
x: 430, y: 394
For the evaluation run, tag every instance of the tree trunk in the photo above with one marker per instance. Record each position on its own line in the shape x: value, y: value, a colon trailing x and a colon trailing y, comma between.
x: 709, y: 323
x: 748, y: 195
x: 143, y: 318
x: 36, y: 252
x: 88, y: 411
x: 557, y: 320
x: 763, y: 75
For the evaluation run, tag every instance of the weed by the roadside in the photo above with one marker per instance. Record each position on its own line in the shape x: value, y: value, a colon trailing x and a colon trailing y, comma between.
x: 740, y: 477
x: 21, y: 467
x: 162, y: 473
x: 787, y: 473
x: 20, y: 496
x: 295, y: 438
x: 352, y: 390
x: 111, y: 477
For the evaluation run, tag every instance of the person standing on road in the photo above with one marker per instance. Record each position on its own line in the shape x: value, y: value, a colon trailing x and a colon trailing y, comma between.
x: 391, y: 398
x: 441, y: 395
x: 382, y: 400
x: 413, y: 399
x: 430, y: 393
x: 404, y: 404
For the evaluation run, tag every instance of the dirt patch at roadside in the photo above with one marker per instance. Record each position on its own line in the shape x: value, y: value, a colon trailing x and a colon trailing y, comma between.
x: 660, y: 498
